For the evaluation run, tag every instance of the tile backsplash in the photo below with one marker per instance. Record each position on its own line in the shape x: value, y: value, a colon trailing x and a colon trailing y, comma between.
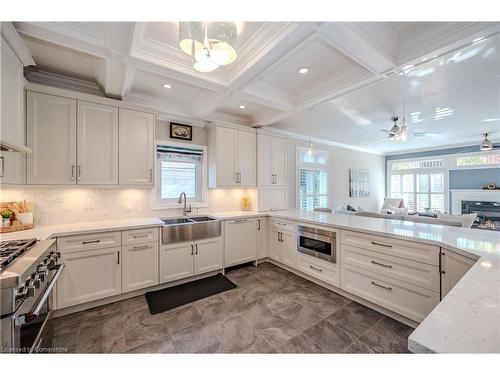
x: 56, y: 205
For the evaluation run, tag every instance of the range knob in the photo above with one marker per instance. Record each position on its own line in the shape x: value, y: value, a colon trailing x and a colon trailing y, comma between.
x: 20, y: 294
x: 52, y: 263
x: 37, y: 282
x: 41, y: 275
x: 30, y: 291
x: 42, y: 269
x: 28, y: 282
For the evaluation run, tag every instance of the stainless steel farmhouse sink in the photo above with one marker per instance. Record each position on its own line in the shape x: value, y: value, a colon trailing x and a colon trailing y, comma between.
x: 190, y: 229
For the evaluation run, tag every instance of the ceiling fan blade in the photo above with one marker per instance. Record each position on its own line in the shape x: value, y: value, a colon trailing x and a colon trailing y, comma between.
x: 385, y: 131
x: 378, y: 140
x: 424, y: 134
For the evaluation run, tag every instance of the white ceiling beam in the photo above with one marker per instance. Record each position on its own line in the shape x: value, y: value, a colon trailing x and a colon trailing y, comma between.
x: 358, y: 45
x: 16, y: 43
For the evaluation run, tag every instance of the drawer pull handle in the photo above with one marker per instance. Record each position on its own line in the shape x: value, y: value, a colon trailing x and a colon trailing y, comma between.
x: 140, y: 235
x: 92, y: 241
x: 381, y: 286
x: 140, y: 247
x: 316, y: 269
x: 382, y: 264
x: 381, y: 244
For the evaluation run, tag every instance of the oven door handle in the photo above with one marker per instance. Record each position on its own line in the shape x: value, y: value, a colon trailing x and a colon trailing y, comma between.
x: 46, y: 294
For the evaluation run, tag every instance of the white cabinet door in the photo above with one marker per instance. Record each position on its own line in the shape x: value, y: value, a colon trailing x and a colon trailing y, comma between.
x: 275, y: 245
x: 12, y: 168
x: 136, y: 147
x: 262, y: 237
x: 264, y: 160
x: 12, y: 98
x: 227, y: 156
x: 247, y: 144
x: 208, y: 255
x: 289, y: 243
x: 176, y: 261
x: 97, y: 144
x: 88, y: 276
x: 139, y: 266
x: 51, y: 134
x: 272, y: 198
x: 453, y: 267
x: 279, y: 160
x: 240, y: 241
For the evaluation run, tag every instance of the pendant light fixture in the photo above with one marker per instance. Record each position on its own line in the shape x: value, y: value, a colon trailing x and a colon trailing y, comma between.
x: 211, y: 44
x: 486, y: 144
x: 403, y: 132
x: 310, y: 149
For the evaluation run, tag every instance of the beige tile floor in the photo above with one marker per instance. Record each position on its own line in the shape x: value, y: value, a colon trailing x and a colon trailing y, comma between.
x: 271, y: 311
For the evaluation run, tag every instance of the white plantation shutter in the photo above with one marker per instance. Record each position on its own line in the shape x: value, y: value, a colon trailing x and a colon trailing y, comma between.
x: 312, y: 178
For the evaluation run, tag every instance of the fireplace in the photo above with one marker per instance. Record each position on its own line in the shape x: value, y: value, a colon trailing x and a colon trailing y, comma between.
x: 488, y: 214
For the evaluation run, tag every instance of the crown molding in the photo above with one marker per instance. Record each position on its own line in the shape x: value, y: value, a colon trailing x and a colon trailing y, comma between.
x: 226, y: 118
x: 182, y: 119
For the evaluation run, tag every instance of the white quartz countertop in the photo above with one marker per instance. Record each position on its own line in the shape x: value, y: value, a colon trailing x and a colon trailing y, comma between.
x: 466, y: 321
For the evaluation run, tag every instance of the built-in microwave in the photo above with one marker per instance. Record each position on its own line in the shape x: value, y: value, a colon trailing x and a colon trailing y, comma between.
x: 316, y: 242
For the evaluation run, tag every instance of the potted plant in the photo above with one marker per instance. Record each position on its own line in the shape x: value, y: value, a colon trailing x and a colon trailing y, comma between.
x: 6, y: 214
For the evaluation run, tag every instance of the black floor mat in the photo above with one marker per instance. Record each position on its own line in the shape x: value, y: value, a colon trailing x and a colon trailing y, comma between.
x: 168, y: 298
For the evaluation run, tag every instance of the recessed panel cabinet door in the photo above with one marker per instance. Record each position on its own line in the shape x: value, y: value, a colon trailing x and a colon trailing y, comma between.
x: 139, y: 266
x: 97, y: 144
x: 279, y: 160
x: 136, y: 147
x: 176, y: 261
x: 88, y: 276
x: 51, y: 134
x: 240, y: 241
x: 275, y: 245
x: 208, y: 255
x: 247, y: 144
x: 289, y: 243
x: 227, y: 157
x: 264, y: 160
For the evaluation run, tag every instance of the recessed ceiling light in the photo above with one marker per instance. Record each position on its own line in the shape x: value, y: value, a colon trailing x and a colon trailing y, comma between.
x: 303, y: 70
x: 167, y: 86
x: 243, y: 106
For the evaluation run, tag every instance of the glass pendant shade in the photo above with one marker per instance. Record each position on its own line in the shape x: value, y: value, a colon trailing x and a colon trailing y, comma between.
x: 191, y: 36
x: 205, y: 66
x: 222, y: 39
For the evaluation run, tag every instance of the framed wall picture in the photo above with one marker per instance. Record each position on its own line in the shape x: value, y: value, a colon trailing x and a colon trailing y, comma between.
x: 359, y: 182
x: 181, y: 131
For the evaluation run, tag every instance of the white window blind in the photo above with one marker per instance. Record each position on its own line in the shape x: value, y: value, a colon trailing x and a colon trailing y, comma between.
x: 312, y: 174
x: 421, y: 187
x: 179, y: 170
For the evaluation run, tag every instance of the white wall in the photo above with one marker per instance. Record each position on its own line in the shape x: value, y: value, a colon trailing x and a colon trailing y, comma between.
x: 341, y: 160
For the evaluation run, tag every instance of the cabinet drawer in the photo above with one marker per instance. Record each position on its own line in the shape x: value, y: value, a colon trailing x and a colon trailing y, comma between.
x: 327, y: 272
x: 403, y: 298
x: 283, y: 225
x: 135, y: 236
x: 401, y: 248
x: 421, y: 274
x: 71, y: 244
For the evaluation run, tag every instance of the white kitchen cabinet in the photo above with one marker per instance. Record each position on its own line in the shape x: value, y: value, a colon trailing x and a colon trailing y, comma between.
x: 262, y: 237
x: 275, y: 247
x: 176, y: 261
x: 319, y: 269
x: 240, y: 241
x: 279, y: 160
x: 208, y: 255
x: 51, y: 134
x: 272, y: 198
x: 289, y: 244
x: 231, y: 157
x: 139, y: 266
x: 97, y: 144
x: 12, y: 98
x: 88, y: 276
x: 453, y: 267
x: 136, y: 147
x: 247, y: 149
x: 185, y: 259
x: 12, y: 168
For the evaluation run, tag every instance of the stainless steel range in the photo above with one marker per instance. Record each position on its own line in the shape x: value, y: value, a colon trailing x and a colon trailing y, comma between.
x: 28, y: 272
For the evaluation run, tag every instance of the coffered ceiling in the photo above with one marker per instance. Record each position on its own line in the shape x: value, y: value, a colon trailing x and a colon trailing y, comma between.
x: 352, y: 81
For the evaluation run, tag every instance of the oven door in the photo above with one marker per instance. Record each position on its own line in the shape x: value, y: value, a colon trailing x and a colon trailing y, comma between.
x: 33, y: 328
x: 317, y: 245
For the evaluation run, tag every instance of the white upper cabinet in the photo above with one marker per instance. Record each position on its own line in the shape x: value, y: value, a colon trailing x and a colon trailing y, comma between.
x: 231, y: 157
x: 51, y: 134
x: 272, y: 160
x: 97, y: 144
x: 136, y: 147
x: 12, y: 86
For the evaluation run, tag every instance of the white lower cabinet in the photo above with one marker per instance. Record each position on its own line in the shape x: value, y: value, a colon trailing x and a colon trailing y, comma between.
x: 324, y: 271
x: 405, y: 299
x: 185, y: 259
x: 275, y: 248
x: 176, y: 261
x: 453, y: 267
x: 262, y: 237
x: 89, y: 275
x: 208, y: 255
x: 139, y: 266
x: 283, y: 246
x: 240, y: 241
